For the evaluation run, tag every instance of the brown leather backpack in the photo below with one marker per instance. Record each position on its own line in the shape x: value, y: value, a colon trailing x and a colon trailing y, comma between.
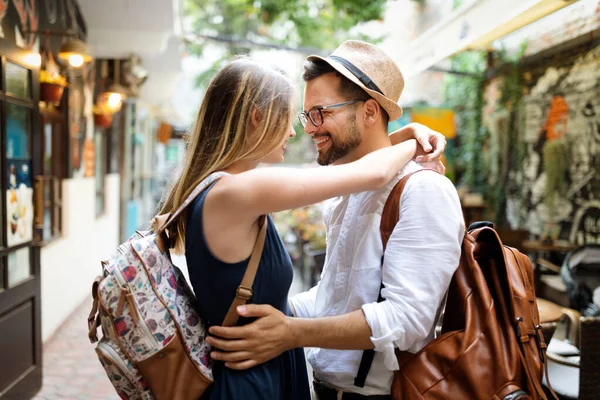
x: 491, y: 345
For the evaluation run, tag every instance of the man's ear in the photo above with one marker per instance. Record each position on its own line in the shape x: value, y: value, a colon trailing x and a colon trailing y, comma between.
x: 371, y: 113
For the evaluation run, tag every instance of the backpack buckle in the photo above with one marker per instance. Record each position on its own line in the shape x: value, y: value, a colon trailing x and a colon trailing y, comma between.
x: 243, y: 292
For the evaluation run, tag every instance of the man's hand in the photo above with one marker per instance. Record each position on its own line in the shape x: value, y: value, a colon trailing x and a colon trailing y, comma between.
x: 431, y: 143
x: 244, y: 347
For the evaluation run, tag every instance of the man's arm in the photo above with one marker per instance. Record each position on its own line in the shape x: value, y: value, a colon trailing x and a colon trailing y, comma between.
x: 273, y: 333
x: 421, y: 257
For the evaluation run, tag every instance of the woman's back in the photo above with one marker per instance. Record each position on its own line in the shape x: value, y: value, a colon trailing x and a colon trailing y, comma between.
x: 215, y: 283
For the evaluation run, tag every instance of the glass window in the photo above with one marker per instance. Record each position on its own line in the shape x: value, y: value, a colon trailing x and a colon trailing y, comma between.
x: 100, y: 169
x: 19, y: 197
x: 17, y: 131
x: 2, y: 264
x: 19, y: 267
x: 17, y: 80
x: 47, y: 162
x: 47, y: 185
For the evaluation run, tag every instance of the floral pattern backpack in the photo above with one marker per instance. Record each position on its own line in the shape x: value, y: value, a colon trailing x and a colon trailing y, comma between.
x: 153, y: 344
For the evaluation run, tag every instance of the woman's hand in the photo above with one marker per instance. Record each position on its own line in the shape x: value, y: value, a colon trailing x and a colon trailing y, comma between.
x: 431, y: 143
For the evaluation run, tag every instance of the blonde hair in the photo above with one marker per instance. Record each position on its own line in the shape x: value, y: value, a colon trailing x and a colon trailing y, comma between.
x: 222, y: 134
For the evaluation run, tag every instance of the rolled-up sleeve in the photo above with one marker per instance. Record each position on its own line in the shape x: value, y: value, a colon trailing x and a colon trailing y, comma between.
x: 304, y: 303
x: 421, y: 256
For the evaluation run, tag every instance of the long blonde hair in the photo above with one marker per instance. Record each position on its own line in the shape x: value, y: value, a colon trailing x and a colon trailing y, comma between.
x: 222, y: 133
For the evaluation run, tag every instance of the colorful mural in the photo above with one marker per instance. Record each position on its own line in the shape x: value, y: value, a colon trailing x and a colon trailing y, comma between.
x: 3, y: 10
x: 28, y: 21
x: 560, y: 177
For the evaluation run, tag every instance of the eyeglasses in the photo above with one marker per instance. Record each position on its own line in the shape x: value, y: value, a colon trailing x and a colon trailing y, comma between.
x: 316, y: 116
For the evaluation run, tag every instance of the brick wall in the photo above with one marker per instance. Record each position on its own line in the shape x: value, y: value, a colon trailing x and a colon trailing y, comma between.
x: 563, y: 105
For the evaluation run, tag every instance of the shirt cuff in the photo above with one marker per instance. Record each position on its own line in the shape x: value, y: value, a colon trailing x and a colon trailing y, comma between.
x: 382, y: 339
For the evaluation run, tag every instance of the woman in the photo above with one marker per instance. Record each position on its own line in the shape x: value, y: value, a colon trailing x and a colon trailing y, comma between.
x: 246, y: 119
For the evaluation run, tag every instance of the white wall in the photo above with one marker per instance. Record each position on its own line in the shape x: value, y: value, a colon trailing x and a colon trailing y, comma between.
x: 69, y: 264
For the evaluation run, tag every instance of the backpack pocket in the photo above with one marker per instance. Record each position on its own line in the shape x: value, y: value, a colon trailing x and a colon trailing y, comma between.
x: 172, y: 375
x: 124, y: 376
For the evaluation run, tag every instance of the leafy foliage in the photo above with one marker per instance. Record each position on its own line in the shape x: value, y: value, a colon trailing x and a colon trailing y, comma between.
x: 318, y: 24
x: 464, y: 94
x: 556, y: 164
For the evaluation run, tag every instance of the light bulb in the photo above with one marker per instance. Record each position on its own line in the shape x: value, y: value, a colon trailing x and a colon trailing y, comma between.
x: 114, y: 100
x: 76, y: 60
x: 33, y: 59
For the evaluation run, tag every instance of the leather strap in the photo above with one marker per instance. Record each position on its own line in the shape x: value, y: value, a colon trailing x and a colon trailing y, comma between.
x: 539, y: 340
x: 92, y: 320
x: 244, y: 291
x: 389, y: 218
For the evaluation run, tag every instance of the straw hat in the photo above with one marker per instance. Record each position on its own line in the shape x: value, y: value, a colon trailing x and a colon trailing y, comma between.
x: 372, y: 69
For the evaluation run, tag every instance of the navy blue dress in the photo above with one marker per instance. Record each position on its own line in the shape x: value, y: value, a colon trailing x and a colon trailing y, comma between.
x: 215, y: 283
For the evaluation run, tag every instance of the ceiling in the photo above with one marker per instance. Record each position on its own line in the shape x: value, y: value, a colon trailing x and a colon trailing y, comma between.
x: 118, y: 27
x: 148, y: 28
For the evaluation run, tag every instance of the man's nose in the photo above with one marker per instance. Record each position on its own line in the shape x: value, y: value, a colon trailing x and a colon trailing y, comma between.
x: 310, y: 128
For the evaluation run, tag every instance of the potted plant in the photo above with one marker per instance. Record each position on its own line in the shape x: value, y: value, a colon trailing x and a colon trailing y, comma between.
x: 556, y: 163
x: 52, y: 85
x: 311, y: 229
x: 102, y: 116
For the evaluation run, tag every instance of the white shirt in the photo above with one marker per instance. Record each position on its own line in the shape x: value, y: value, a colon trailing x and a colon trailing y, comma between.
x: 421, y: 256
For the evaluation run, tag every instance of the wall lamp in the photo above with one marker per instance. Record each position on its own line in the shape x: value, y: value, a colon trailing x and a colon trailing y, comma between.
x: 73, y: 50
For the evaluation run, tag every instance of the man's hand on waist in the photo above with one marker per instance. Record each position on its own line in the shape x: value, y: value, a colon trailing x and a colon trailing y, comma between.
x: 243, y: 347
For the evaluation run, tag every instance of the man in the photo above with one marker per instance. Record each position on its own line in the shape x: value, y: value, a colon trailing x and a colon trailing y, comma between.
x: 350, y: 97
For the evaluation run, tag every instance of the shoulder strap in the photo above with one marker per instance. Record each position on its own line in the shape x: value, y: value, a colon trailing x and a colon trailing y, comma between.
x: 389, y: 218
x: 162, y: 222
x: 244, y: 291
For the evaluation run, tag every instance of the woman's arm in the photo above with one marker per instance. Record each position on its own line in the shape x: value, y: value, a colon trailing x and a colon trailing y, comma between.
x: 265, y: 190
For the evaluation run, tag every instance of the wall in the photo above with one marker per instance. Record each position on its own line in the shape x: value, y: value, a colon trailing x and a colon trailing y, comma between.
x: 562, y: 107
x: 69, y: 264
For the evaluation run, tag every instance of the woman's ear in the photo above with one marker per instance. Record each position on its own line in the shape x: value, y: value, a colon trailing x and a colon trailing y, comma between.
x: 371, y: 112
x: 255, y: 118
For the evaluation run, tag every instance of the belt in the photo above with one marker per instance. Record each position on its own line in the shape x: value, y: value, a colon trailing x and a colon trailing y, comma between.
x: 325, y: 392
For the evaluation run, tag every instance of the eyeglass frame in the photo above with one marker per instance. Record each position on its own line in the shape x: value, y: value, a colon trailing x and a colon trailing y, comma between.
x: 307, y: 117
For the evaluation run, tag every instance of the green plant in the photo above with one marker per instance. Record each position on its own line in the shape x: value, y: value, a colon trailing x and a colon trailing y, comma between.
x: 242, y: 24
x: 102, y: 109
x: 464, y: 94
x: 511, y: 93
x: 305, y: 222
x: 54, y: 78
x: 556, y: 164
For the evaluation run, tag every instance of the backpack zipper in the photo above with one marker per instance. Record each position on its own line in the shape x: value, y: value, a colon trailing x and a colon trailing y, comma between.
x: 114, y: 357
x: 126, y: 295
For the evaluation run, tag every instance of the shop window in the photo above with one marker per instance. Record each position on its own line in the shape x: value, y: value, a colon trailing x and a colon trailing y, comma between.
x: 112, y: 138
x: 100, y: 169
x: 17, y: 80
x: 48, y: 184
x: 19, y: 266
x: 19, y: 207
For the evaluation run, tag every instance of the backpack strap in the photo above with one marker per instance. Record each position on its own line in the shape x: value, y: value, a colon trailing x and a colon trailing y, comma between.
x: 163, y: 221
x: 389, y: 218
x: 244, y: 291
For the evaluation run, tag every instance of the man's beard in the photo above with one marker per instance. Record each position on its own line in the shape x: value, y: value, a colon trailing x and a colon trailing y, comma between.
x: 342, y: 145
